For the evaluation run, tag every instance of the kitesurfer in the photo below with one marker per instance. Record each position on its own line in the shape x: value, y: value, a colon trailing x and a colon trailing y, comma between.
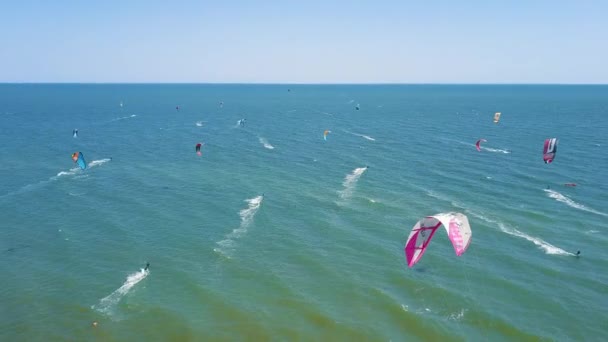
x: 578, y: 253
x: 147, y: 266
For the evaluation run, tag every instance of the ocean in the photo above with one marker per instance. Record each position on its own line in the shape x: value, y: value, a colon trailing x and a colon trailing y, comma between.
x: 274, y: 233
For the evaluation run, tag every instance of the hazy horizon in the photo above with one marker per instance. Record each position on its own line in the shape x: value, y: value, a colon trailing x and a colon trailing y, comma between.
x: 277, y: 42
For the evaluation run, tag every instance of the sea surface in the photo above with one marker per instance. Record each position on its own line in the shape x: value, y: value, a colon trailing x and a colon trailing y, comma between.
x: 277, y: 234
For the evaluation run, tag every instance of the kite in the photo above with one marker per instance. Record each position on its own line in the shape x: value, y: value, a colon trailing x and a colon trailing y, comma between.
x: 78, y: 158
x: 456, y: 225
x: 549, y: 150
x: 479, y: 142
x: 496, y: 117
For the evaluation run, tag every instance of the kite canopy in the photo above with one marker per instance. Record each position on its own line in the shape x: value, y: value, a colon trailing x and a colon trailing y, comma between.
x: 479, y: 142
x: 78, y: 158
x: 456, y: 225
x: 496, y: 117
x: 549, y: 150
x: 326, y: 133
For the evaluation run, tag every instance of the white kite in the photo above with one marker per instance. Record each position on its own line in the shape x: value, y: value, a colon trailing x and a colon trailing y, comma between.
x: 456, y: 225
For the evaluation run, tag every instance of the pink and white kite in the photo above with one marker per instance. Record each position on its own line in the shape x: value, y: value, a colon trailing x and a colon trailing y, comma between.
x: 456, y: 225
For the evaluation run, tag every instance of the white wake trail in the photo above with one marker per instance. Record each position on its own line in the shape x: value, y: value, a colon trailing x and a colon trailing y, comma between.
x: 565, y: 199
x: 226, y: 246
x: 107, y: 304
x: 542, y: 244
x: 266, y: 144
x: 350, y: 181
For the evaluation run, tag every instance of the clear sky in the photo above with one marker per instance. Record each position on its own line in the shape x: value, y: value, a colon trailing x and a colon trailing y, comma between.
x: 305, y: 41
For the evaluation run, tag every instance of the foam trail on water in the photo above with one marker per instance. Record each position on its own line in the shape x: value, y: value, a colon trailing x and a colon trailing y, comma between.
x: 565, y: 199
x: 495, y: 150
x: 76, y: 170
x: 350, y: 181
x: 264, y: 142
x: 226, y: 246
x: 123, y: 118
x: 489, y: 149
x: 107, y: 304
x: 70, y: 172
x: 360, y: 135
x: 547, y: 247
x: 544, y: 245
x: 98, y: 162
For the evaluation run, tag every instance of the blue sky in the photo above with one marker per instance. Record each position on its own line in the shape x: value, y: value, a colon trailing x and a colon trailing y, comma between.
x: 310, y: 41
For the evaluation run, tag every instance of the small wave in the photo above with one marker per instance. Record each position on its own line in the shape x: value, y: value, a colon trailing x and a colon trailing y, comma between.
x: 106, y: 305
x: 227, y: 245
x: 199, y: 123
x: 592, y: 231
x: 350, y: 181
x: 565, y: 199
x: 264, y: 142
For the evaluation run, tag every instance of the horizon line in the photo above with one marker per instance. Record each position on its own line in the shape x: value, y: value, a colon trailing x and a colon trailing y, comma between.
x: 298, y: 83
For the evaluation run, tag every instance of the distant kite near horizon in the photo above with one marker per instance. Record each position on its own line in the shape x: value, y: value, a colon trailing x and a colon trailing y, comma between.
x: 496, y: 117
x: 549, y: 150
x: 456, y: 225
x: 78, y: 158
x: 325, y: 134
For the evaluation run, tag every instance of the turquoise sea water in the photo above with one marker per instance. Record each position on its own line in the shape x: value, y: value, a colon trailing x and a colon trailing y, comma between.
x: 320, y: 255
